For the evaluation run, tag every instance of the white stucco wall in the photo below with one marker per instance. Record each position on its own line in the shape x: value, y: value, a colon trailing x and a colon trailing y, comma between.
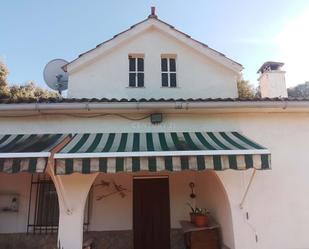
x: 277, y: 203
x: 272, y: 84
x: 197, y: 75
x: 15, y: 222
x: 115, y: 213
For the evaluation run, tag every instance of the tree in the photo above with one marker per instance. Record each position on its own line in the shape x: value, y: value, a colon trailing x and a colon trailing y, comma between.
x: 30, y: 91
x: 299, y: 91
x: 26, y: 91
x: 245, y: 90
x: 4, y: 89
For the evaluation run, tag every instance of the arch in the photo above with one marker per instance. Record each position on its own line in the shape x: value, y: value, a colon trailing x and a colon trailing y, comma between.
x: 210, y: 191
x: 212, y: 194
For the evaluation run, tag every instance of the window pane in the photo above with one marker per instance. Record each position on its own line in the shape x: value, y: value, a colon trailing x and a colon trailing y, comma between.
x: 48, y: 208
x: 173, y: 79
x: 172, y: 65
x: 140, y: 79
x: 164, y: 79
x: 140, y: 64
x: 164, y: 65
x: 132, y: 64
x: 132, y: 77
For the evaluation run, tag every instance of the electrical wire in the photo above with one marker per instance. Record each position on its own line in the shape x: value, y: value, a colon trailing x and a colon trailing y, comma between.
x: 78, y: 116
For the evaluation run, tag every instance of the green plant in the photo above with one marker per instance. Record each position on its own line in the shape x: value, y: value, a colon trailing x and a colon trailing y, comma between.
x: 198, y: 211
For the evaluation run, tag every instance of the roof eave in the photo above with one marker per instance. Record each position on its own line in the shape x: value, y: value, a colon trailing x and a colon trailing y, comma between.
x: 149, y: 107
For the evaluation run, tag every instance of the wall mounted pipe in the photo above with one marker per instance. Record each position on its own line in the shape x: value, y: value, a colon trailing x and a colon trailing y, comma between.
x: 260, y: 106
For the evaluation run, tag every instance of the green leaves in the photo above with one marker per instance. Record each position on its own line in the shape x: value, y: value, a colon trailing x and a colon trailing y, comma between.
x: 4, y: 89
x: 299, y: 91
x: 22, y: 92
x: 245, y: 89
x: 30, y: 91
x: 198, y: 211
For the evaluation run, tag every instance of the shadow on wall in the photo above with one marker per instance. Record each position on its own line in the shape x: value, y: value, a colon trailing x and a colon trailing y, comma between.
x: 212, y: 195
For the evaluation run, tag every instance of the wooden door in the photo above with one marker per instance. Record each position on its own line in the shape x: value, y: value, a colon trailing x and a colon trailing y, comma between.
x: 151, y: 213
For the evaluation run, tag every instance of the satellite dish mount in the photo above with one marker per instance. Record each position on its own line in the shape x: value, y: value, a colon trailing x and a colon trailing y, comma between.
x: 54, y: 75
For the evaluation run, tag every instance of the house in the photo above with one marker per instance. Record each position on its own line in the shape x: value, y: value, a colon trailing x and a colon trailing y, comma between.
x: 152, y: 117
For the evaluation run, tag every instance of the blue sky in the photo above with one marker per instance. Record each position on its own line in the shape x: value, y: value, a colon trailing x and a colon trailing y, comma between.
x: 250, y: 32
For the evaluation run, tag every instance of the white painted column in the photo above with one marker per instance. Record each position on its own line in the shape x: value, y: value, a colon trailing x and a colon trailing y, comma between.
x: 72, y: 193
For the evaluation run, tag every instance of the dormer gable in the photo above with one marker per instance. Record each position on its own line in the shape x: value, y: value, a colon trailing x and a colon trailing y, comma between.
x: 156, y: 58
x: 152, y: 22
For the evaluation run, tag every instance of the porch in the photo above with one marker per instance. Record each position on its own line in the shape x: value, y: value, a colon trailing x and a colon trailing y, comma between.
x: 108, y: 214
x: 95, y: 189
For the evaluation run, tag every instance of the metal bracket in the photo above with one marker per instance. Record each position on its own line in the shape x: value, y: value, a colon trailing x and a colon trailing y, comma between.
x: 241, y: 205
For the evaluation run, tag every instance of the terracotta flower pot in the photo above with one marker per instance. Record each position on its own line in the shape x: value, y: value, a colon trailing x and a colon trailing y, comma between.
x: 192, y: 218
x: 200, y: 220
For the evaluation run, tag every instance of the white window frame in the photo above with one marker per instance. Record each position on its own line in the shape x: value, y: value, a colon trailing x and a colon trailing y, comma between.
x: 136, y: 71
x: 168, y: 72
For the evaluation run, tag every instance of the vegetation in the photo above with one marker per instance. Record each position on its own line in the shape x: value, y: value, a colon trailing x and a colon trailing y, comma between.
x: 30, y: 90
x: 299, y: 91
x: 198, y: 211
x: 20, y: 92
x: 4, y: 89
x: 245, y: 90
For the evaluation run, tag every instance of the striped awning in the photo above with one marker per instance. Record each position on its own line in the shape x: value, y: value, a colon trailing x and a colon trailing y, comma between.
x: 26, y: 152
x: 174, y: 151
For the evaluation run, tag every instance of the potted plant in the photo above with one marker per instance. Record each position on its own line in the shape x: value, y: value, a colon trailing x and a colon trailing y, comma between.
x: 199, y: 216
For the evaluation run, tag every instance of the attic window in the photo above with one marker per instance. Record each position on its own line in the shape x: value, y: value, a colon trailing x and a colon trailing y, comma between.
x: 168, y: 71
x: 136, y: 71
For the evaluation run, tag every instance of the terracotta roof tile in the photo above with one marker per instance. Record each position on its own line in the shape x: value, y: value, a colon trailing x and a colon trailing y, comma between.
x: 123, y: 100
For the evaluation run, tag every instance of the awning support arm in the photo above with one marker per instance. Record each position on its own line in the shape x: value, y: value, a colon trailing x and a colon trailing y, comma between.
x: 247, y: 189
x: 51, y: 163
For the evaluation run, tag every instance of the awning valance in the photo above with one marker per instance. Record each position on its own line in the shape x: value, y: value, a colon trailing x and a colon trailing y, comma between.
x: 26, y: 152
x: 173, y: 151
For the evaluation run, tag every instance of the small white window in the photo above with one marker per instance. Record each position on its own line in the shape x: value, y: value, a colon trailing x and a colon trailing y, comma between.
x: 168, y: 71
x: 136, y: 71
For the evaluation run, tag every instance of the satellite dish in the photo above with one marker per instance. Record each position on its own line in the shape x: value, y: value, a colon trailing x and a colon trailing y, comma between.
x: 55, y: 77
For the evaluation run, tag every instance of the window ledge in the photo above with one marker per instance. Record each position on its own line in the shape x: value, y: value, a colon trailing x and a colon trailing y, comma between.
x: 135, y: 87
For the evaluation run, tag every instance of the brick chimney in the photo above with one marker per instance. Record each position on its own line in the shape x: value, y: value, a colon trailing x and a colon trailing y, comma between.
x: 153, y: 12
x: 272, y: 80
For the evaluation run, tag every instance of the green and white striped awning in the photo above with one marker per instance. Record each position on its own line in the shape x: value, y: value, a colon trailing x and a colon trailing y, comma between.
x: 174, y: 151
x: 26, y: 152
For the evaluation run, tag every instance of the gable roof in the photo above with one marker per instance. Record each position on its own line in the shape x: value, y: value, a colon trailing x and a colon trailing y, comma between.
x: 152, y: 21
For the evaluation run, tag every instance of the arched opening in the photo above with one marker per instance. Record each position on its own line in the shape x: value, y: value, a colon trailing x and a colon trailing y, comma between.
x: 110, y: 214
x: 212, y: 195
